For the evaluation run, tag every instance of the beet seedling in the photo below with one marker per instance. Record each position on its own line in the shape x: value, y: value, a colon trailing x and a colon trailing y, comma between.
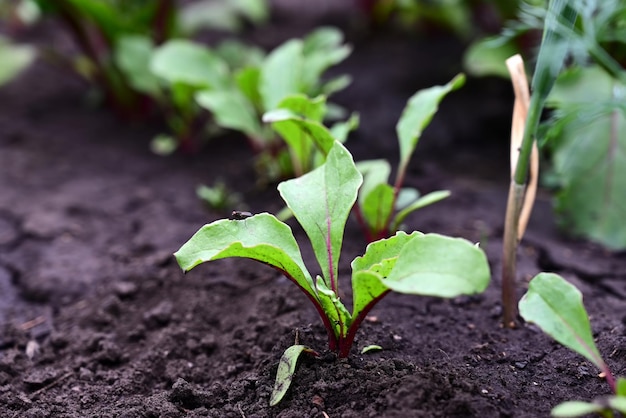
x: 556, y: 307
x: 321, y: 201
x: 382, y: 207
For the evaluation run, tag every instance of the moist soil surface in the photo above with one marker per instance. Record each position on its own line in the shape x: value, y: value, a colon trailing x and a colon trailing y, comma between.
x: 99, y: 321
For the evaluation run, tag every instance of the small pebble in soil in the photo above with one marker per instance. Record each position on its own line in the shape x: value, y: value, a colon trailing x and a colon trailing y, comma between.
x: 125, y: 289
x: 521, y: 364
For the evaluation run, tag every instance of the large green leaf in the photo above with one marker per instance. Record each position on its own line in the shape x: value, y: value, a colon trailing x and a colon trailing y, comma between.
x: 232, y: 110
x: 181, y: 61
x: 556, y: 306
x: 261, y: 237
x: 370, y: 270
x: 418, y: 113
x: 590, y: 155
x: 321, y: 201
x: 13, y: 59
x: 132, y: 55
x: 281, y: 73
x: 436, y: 265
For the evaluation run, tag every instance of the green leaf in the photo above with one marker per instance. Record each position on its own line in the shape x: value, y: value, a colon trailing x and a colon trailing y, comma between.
x: 221, y: 15
x: 285, y: 372
x: 487, y: 57
x: 335, y: 310
x: 321, y: 201
x: 378, y: 206
x: 575, y: 409
x: 13, y: 59
x: 300, y: 134
x: 620, y: 386
x: 560, y: 17
x: 281, y: 73
x: 406, y: 196
x: 418, y: 113
x: 321, y: 49
x: 238, y: 55
x: 181, y: 61
x: 370, y: 270
x: 556, y: 307
x: 371, y: 347
x: 261, y: 237
x: 305, y: 107
x: 436, y: 265
x: 340, y: 130
x: 132, y: 56
x: 590, y: 155
x: 374, y: 173
x: 618, y: 403
x: 247, y: 80
x: 232, y: 110
x: 423, y: 201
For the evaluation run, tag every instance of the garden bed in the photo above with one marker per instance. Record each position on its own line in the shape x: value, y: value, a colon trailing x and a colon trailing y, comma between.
x: 99, y: 321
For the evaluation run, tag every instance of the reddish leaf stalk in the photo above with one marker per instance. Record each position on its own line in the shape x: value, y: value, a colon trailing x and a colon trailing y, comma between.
x: 332, y: 338
x: 345, y: 343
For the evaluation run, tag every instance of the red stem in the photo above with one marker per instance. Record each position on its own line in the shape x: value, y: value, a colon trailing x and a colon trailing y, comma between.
x: 332, y: 338
x: 345, y: 343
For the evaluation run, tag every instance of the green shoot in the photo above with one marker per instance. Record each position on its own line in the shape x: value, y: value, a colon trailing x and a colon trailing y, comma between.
x: 382, y: 207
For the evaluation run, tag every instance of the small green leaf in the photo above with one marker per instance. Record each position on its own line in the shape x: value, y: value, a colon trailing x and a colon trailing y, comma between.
x: 247, y: 80
x: 618, y: 403
x: 181, y: 61
x: 423, y: 201
x: 301, y: 135
x: 487, y: 57
x: 556, y: 307
x: 319, y: 56
x: 335, y: 310
x: 321, y: 201
x: 261, y: 237
x: 305, y: 107
x: 374, y: 173
x: 132, y: 55
x: 372, y: 347
x: 620, y: 387
x: 370, y: 270
x: 575, y: 409
x: 378, y: 206
x: 232, y: 110
x: 286, y: 371
x: 280, y: 73
x: 14, y: 59
x: 340, y: 130
x: 436, y: 265
x: 406, y: 196
x: 418, y: 113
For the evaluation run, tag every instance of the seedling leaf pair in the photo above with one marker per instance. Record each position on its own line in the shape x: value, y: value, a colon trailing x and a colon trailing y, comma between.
x: 556, y: 307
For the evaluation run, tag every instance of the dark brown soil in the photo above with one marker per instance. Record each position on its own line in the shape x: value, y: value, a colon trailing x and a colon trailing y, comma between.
x: 98, y: 321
